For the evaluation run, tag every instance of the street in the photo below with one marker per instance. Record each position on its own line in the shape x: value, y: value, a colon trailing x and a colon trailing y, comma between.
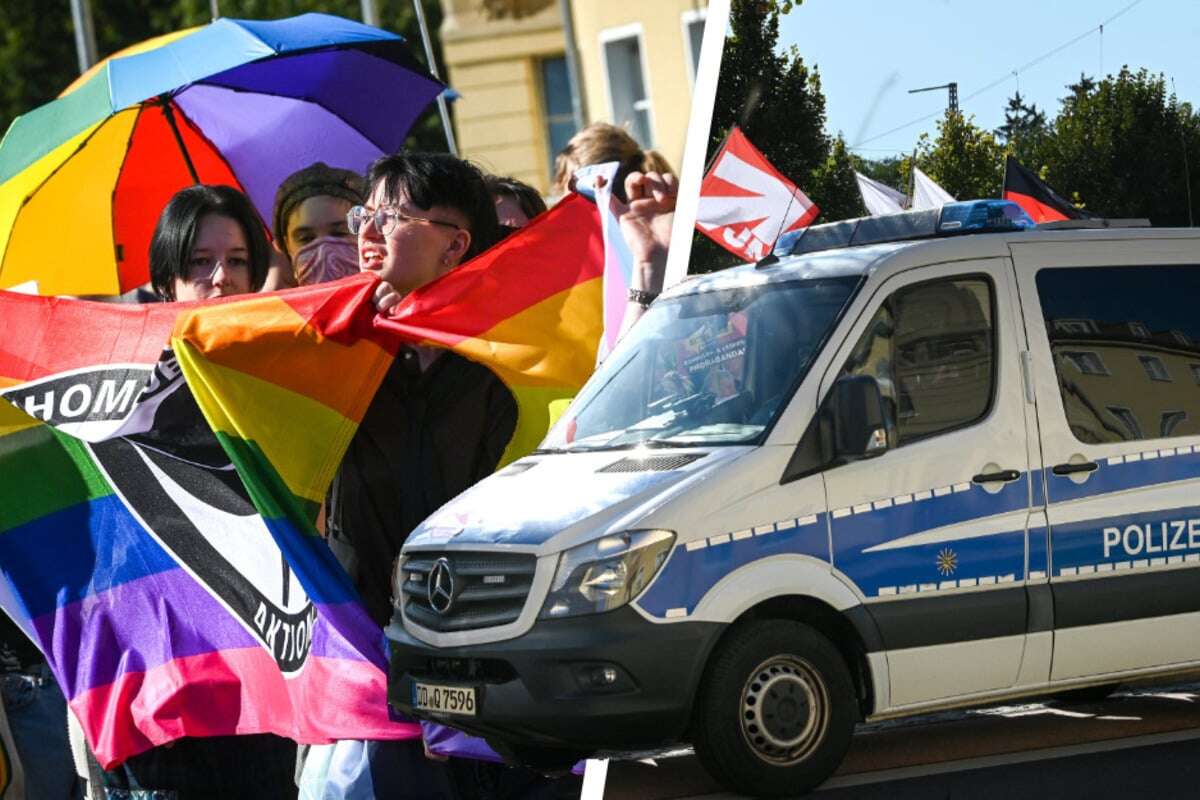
x: 1140, y: 742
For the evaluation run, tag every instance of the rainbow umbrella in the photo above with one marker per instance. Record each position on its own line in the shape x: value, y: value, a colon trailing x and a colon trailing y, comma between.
x: 240, y: 102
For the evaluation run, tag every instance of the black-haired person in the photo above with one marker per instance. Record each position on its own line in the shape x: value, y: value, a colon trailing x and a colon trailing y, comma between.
x: 209, y: 242
x: 516, y: 202
x: 438, y: 422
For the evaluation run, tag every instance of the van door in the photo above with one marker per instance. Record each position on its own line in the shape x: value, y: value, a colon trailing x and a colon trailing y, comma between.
x: 1115, y: 343
x: 933, y: 532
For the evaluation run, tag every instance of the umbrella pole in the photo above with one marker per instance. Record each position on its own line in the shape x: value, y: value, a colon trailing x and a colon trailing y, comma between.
x: 165, y: 103
x: 441, y: 100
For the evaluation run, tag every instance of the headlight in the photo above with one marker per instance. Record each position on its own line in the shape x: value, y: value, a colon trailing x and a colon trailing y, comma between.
x: 606, y: 574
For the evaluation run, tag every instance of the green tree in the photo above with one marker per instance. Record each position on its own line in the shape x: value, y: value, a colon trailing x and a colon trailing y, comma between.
x: 37, y: 44
x: 773, y: 97
x: 1126, y: 146
x: 1024, y: 131
x: 834, y: 188
x: 965, y: 160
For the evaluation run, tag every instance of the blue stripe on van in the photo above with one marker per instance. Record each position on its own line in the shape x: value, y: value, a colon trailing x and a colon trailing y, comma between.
x: 689, y: 574
x: 1121, y: 477
x: 1129, y: 541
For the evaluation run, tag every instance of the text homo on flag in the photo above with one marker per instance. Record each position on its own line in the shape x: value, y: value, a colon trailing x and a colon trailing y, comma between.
x: 746, y: 204
x: 1035, y: 196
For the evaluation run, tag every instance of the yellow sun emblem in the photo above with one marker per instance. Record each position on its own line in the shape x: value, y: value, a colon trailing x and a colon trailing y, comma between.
x: 947, y: 561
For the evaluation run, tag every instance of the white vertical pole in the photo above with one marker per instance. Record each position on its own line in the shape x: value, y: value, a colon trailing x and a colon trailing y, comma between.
x: 85, y: 35
x: 370, y: 12
x: 445, y: 112
x: 215, y: 7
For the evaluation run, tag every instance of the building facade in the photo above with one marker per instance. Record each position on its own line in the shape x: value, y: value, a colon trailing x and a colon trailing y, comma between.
x: 636, y: 62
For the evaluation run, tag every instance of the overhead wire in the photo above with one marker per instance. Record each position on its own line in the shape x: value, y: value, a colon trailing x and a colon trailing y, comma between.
x: 987, y: 88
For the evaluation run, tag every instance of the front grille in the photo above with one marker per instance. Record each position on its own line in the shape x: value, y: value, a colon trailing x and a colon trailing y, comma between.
x: 652, y: 463
x: 488, y: 589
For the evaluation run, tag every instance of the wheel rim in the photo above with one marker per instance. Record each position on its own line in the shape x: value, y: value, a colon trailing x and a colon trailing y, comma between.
x: 784, y: 710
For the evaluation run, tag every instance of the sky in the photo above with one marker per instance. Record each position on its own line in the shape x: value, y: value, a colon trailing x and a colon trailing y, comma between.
x: 871, y: 52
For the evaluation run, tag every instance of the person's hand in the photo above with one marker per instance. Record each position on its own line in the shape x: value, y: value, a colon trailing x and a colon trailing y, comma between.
x: 386, y: 298
x: 646, y: 220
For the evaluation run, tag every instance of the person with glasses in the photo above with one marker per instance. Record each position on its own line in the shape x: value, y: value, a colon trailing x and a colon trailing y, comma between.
x: 209, y: 242
x: 437, y: 424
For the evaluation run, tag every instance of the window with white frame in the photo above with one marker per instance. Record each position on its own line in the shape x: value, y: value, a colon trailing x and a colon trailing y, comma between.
x: 624, y: 73
x: 1155, y: 368
x: 1086, y: 361
x: 1074, y: 326
x: 693, y: 34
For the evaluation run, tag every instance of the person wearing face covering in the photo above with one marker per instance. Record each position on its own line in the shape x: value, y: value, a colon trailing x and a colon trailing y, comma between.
x: 309, y: 223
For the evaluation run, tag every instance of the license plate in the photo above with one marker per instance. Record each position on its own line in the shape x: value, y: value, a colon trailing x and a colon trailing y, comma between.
x: 445, y: 699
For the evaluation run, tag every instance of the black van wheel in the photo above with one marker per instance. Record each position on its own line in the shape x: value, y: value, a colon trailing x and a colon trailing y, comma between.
x: 776, y: 711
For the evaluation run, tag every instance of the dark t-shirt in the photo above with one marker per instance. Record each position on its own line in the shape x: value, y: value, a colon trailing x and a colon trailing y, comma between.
x: 426, y: 437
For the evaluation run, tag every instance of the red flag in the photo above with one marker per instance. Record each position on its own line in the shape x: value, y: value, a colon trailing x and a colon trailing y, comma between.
x: 746, y: 204
x: 1035, y: 196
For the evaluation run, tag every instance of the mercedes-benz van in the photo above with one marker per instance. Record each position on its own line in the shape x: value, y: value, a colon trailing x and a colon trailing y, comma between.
x: 915, y: 462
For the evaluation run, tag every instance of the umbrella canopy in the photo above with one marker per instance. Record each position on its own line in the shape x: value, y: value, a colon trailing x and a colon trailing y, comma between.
x: 240, y: 102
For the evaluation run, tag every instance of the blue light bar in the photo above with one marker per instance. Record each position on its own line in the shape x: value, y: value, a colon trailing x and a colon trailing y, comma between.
x: 970, y: 216
x: 983, y: 215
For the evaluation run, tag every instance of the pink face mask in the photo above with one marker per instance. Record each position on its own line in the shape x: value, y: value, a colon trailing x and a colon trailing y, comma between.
x: 325, y: 259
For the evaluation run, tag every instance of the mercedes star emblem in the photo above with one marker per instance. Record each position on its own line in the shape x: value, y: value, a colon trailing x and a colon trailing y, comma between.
x: 440, y: 589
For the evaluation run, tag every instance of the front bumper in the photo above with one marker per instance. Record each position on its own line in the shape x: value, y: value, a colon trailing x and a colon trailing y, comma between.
x: 546, y: 688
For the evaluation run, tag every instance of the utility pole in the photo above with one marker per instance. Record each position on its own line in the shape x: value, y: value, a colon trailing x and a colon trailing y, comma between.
x: 85, y: 35
x: 952, y: 86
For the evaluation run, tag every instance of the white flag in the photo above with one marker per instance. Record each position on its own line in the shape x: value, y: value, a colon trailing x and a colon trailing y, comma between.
x: 926, y: 193
x: 879, y: 198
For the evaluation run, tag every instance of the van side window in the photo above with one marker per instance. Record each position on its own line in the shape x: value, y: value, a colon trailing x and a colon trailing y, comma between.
x: 931, y: 348
x: 1141, y: 325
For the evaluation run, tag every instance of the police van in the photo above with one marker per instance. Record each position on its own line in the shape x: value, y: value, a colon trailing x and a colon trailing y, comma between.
x: 909, y: 463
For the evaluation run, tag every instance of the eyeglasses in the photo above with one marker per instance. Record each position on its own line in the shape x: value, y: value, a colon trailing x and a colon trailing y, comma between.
x: 386, y: 218
x: 201, y: 269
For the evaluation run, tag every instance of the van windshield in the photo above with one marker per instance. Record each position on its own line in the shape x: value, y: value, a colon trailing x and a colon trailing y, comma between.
x: 708, y: 368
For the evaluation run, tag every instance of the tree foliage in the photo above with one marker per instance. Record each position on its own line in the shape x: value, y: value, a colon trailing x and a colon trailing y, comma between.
x: 37, y: 41
x: 1126, y: 146
x: 774, y: 98
x: 964, y: 159
x: 1024, y: 131
x: 833, y: 182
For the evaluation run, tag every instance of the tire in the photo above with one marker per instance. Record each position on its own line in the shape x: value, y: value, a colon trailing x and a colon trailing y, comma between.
x: 801, y: 679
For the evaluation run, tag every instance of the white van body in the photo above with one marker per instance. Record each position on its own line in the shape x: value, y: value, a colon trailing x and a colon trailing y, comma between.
x: 1050, y: 541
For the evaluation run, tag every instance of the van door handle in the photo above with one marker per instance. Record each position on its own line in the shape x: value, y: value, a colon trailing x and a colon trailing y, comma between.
x: 1071, y: 469
x: 1005, y: 475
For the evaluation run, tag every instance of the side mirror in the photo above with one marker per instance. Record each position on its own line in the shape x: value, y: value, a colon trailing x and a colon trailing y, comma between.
x: 857, y: 417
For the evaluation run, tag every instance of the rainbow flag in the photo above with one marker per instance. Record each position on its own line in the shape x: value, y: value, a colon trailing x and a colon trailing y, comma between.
x: 161, y: 468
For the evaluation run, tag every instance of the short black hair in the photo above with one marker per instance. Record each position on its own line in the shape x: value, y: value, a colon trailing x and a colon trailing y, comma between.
x: 440, y: 179
x: 527, y: 197
x: 175, y: 233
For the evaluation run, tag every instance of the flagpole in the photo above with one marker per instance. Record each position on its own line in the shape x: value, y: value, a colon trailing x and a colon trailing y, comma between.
x: 441, y: 99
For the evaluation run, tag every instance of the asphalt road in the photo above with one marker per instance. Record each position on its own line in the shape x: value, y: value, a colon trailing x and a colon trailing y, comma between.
x: 1138, y: 743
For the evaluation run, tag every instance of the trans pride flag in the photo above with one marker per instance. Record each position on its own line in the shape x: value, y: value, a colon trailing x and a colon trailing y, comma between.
x: 161, y: 467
